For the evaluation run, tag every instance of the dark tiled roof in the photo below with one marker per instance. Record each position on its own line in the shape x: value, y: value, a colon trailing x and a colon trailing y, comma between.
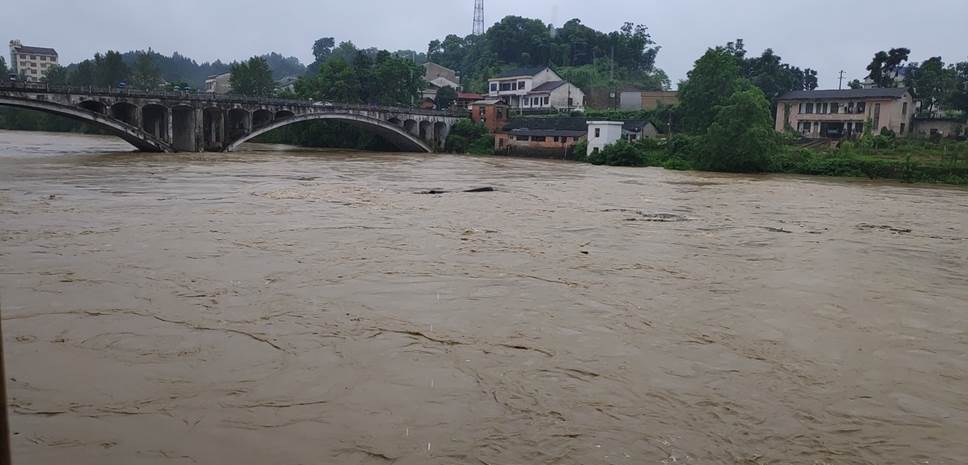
x: 844, y: 94
x: 634, y: 125
x: 548, y: 87
x: 564, y: 124
x: 36, y: 50
x: 529, y: 71
x: 547, y: 132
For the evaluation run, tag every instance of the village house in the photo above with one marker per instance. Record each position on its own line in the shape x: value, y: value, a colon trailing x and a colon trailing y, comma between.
x: 540, y: 137
x: 492, y: 113
x: 438, y: 77
x: 536, y: 88
x: 648, y: 100
x: 219, y: 84
x: 601, y: 134
x: 32, y: 63
x: 845, y: 113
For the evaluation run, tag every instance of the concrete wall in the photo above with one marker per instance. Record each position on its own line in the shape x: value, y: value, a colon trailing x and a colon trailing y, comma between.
x: 508, y: 144
x: 602, y: 134
x: 636, y: 100
x: 942, y: 127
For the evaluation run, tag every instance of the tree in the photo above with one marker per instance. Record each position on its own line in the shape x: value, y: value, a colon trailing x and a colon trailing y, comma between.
x: 84, y: 74
x: 3, y: 68
x: 445, y: 97
x: 741, y: 138
x: 932, y: 83
x: 252, y: 77
x: 883, y: 69
x: 715, y: 77
x: 56, y: 76
x: 771, y: 75
x: 110, y: 69
x: 145, y: 74
x: 335, y: 82
x: 323, y: 48
x: 855, y: 84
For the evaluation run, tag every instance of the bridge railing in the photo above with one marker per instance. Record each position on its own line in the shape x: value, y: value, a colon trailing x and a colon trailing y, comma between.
x: 208, y: 97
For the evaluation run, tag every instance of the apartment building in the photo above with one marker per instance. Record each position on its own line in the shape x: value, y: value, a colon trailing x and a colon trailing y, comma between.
x: 845, y: 113
x: 31, y: 62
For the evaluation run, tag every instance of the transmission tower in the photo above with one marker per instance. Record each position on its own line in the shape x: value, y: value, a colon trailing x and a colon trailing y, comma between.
x: 478, y: 17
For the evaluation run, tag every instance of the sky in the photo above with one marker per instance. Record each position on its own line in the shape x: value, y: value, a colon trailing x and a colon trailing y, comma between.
x: 826, y: 35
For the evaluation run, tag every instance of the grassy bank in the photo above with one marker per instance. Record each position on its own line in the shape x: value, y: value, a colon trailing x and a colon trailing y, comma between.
x: 877, y: 157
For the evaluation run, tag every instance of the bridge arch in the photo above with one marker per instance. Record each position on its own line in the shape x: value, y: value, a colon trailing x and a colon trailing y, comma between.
x: 131, y: 134
x: 93, y: 105
x: 394, y: 134
x: 261, y: 117
x: 125, y: 112
x: 154, y: 120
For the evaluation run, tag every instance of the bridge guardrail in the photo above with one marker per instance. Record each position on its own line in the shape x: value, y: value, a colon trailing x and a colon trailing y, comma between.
x: 205, y: 97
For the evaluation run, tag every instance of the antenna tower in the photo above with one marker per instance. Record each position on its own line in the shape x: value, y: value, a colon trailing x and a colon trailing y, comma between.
x: 478, y: 17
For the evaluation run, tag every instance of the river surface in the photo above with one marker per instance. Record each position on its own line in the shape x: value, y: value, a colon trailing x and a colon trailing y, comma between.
x: 299, y: 307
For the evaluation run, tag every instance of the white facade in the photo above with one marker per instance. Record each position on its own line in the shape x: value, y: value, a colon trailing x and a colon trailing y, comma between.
x: 601, y: 134
x: 535, y: 88
x: 31, y: 62
x: 219, y: 84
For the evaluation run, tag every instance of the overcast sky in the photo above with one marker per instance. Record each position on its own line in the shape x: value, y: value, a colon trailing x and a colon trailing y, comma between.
x: 827, y: 35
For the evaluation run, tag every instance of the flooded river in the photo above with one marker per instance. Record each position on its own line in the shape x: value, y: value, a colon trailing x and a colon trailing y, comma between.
x: 293, y: 307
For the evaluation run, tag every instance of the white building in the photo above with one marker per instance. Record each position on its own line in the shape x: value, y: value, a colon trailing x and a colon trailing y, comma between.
x: 219, y: 84
x: 438, y: 77
x: 31, y: 62
x: 536, y: 88
x: 601, y: 134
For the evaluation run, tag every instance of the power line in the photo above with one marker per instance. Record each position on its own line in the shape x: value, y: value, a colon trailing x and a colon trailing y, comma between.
x: 478, y: 17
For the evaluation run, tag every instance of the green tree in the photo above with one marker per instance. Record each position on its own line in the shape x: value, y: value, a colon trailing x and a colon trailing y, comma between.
x: 715, y: 77
x: 56, y: 76
x: 145, y: 74
x: 445, y: 98
x: 252, y: 77
x: 335, y: 82
x: 855, y: 84
x: 741, y: 138
x: 883, y: 68
x: 110, y: 69
x: 772, y: 76
x: 83, y: 74
x: 932, y: 83
x: 3, y: 69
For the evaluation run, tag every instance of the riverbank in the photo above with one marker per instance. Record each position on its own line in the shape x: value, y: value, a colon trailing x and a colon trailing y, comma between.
x: 914, y: 160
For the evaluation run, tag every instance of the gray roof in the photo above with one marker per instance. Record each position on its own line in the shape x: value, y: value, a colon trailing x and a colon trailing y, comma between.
x: 549, y: 122
x: 548, y: 87
x: 35, y: 50
x: 527, y: 71
x: 894, y: 93
x: 635, y: 125
x: 547, y: 132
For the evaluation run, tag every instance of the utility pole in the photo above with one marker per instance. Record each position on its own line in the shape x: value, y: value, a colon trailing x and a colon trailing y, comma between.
x: 611, y: 78
x: 841, y: 85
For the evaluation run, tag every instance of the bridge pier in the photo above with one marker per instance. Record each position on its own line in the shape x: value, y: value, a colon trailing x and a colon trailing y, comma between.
x: 184, y: 133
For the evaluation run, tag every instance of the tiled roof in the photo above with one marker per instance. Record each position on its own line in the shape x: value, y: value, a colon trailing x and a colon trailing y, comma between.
x: 553, y: 122
x: 547, y: 132
x: 548, y: 87
x: 36, y: 50
x: 528, y: 71
x: 894, y: 93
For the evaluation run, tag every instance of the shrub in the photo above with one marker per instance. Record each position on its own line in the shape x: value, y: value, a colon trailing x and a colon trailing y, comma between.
x: 741, y: 138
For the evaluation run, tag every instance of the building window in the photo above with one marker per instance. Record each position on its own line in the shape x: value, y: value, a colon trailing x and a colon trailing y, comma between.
x: 521, y: 85
x: 33, y: 57
x: 494, y: 87
x: 557, y: 139
x: 505, y: 86
x: 861, y: 107
x: 538, y: 138
x: 522, y: 138
x: 809, y: 109
x: 547, y: 100
x: 835, y: 108
x: 514, y: 86
x: 877, y: 115
x: 903, y: 126
x: 904, y: 112
x: 598, y: 132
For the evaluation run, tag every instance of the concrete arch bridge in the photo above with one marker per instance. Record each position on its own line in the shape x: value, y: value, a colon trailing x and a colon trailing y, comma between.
x: 183, y: 122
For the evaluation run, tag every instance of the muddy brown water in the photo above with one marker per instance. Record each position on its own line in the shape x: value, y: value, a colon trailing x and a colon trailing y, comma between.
x: 295, y: 307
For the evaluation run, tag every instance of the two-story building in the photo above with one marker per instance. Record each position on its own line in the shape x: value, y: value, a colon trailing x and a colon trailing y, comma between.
x: 845, y: 113
x: 536, y: 88
x: 32, y: 63
x: 219, y: 84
